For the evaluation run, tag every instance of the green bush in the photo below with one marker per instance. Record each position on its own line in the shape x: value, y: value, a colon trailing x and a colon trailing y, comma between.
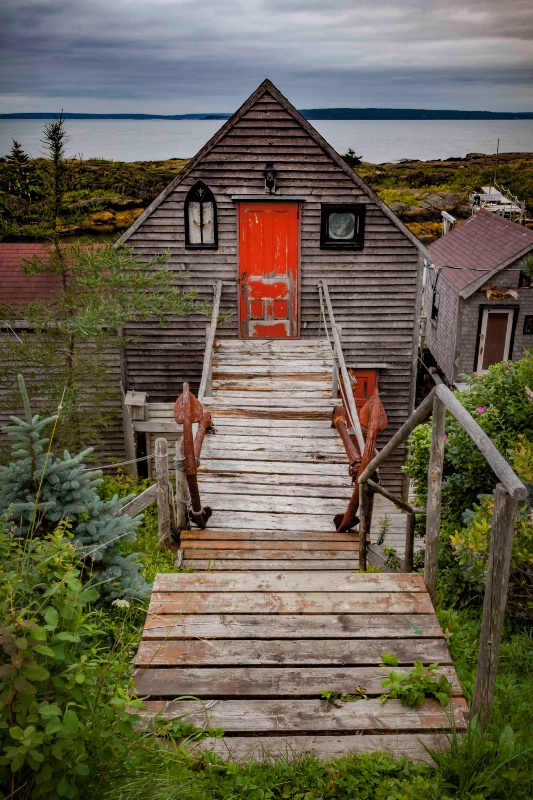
x: 63, y: 716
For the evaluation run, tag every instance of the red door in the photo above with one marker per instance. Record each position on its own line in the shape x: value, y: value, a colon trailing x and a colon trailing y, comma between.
x: 268, y: 269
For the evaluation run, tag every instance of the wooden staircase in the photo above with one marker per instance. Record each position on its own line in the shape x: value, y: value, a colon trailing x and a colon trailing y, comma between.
x: 276, y: 611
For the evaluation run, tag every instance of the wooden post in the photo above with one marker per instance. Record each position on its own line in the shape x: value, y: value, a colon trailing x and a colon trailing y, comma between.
x: 335, y: 376
x: 129, y: 441
x: 366, y: 505
x: 436, y: 462
x: 495, y: 600
x: 409, y: 542
x: 163, y: 493
x: 182, y: 489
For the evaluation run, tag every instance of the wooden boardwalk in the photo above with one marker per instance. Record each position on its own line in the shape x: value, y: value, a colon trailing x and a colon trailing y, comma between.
x: 276, y: 612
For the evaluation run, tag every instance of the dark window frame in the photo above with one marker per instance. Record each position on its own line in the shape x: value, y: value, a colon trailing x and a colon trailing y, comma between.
x: 524, y: 280
x: 194, y: 197
x: 326, y: 243
x: 528, y: 324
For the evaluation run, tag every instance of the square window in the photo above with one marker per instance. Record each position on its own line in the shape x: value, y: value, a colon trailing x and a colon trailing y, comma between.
x: 524, y: 281
x: 528, y: 324
x: 435, y: 305
x: 342, y: 226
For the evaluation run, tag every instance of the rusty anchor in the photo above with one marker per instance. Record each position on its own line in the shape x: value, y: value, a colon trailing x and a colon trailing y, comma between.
x: 189, y: 410
x: 374, y: 419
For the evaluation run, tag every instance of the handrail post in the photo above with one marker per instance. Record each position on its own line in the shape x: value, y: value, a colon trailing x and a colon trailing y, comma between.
x: 409, y: 542
x: 366, y: 506
x: 436, y: 463
x: 163, y: 494
x: 335, y: 376
x: 210, y: 331
x: 495, y: 600
x: 182, y: 488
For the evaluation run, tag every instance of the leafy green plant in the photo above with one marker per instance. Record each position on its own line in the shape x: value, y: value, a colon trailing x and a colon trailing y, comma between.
x: 413, y: 688
x: 63, y: 707
x: 392, y: 559
x: 337, y: 698
x: 383, y: 529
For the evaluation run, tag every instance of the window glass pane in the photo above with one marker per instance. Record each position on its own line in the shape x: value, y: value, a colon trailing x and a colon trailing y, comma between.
x: 201, y: 227
x: 341, y: 225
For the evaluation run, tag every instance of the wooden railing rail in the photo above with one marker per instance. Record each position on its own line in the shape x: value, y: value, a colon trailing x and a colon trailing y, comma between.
x: 339, y: 364
x: 207, y: 368
x: 509, y: 491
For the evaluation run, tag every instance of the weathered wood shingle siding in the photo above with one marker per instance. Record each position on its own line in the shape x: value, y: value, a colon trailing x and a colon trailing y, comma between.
x: 442, y: 335
x: 373, y: 291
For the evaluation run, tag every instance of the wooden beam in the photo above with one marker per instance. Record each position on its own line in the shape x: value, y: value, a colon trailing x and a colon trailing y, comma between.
x: 205, y: 383
x: 496, y: 588
x: 163, y: 493
x: 140, y: 502
x: 436, y: 463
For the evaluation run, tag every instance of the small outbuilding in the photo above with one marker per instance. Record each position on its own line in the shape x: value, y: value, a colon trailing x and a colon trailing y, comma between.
x: 478, y: 299
x: 270, y: 209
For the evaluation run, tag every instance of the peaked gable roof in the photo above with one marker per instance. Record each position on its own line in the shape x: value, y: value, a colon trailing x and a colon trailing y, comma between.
x: 267, y: 87
x: 478, y: 249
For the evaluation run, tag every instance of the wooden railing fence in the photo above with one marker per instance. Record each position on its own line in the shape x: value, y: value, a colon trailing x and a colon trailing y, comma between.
x: 509, y: 492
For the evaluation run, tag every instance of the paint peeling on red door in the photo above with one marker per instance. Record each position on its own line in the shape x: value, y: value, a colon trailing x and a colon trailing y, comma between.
x: 268, y: 269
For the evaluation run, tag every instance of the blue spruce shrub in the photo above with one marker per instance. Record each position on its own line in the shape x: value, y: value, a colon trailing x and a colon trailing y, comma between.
x: 39, y: 489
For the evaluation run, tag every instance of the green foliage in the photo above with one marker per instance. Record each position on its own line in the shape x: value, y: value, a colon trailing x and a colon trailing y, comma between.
x: 413, y: 689
x: 63, y: 708
x: 39, y: 490
x: 383, y: 529
x: 351, y: 158
x: 392, y: 559
x: 337, y: 698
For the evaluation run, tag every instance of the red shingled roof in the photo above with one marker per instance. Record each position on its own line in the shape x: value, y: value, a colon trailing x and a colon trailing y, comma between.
x: 483, y: 242
x: 16, y: 287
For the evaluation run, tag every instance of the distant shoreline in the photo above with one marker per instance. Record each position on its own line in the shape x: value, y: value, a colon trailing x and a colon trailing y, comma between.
x: 309, y: 113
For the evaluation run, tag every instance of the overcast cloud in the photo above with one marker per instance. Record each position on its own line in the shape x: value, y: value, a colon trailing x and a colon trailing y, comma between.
x: 179, y: 56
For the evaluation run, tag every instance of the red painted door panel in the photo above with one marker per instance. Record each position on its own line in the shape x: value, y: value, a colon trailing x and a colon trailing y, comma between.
x: 268, y: 269
x: 366, y: 383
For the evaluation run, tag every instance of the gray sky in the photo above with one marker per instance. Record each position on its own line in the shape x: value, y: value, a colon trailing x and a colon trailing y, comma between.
x: 179, y: 56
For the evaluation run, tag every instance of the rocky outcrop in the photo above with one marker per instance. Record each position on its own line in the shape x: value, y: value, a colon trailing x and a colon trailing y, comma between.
x: 427, y: 207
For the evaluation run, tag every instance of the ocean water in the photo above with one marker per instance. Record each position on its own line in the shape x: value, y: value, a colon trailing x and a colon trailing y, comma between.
x: 376, y: 141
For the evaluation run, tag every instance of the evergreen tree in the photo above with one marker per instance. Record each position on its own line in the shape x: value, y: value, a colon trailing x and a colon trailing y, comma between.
x: 18, y: 171
x: 39, y: 489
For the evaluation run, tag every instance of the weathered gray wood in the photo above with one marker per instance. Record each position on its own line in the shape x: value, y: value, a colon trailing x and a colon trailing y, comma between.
x: 325, y: 747
x: 206, y: 682
x: 291, y: 626
x: 154, y: 426
x: 254, y: 716
x: 495, y: 601
x: 366, y: 504
x: 499, y: 465
x: 163, y: 493
x: 436, y: 463
x: 409, y: 542
x: 347, y: 581
x: 290, y: 603
x: 182, y: 488
x: 326, y: 564
x: 279, y: 652
x: 129, y: 441
x: 140, y: 502
x: 205, y: 383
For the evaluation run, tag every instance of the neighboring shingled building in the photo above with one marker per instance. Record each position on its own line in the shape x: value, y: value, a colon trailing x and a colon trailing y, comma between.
x: 478, y: 303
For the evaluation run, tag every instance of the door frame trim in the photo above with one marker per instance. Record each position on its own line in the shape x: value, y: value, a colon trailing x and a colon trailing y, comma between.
x: 265, y: 199
x: 484, y: 310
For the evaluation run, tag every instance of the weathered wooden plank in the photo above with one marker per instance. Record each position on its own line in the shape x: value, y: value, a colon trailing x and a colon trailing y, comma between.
x: 291, y: 626
x: 221, y: 485
x: 206, y: 682
x: 290, y: 602
x: 276, y: 652
x: 267, y: 536
x: 211, y: 552
x: 191, y: 544
x: 261, y: 521
x: 216, y: 449
x: 278, y: 424
x: 208, y: 465
x: 254, y: 716
x: 290, y: 748
x: 347, y: 581
x: 270, y: 442
x: 140, y: 502
x: 286, y: 564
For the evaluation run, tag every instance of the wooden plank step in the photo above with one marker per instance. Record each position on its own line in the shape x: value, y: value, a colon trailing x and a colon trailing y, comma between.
x: 268, y: 536
x: 291, y: 626
x: 289, y: 748
x: 221, y: 485
x: 225, y: 371
x: 264, y: 412
x: 210, y: 552
x: 277, y: 716
x: 215, y: 564
x: 192, y: 544
x: 216, y: 449
x: 290, y: 602
x: 281, y: 484
x: 207, y: 682
x: 208, y: 465
x: 298, y: 444
x: 261, y: 520
x: 232, y: 427
x: 272, y: 385
x: 347, y: 581
x: 281, y: 424
x: 277, y: 652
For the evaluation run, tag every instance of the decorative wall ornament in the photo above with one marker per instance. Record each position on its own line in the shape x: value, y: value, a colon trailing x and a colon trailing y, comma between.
x: 500, y: 294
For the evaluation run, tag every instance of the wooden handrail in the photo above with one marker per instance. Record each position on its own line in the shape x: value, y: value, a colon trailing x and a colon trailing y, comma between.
x: 509, y: 491
x: 352, y: 409
x: 205, y: 383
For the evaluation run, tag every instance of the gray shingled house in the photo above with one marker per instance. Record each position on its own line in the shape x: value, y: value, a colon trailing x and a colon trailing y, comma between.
x: 478, y: 302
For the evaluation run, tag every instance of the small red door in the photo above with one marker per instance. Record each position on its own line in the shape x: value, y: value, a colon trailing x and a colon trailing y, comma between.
x: 268, y: 269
